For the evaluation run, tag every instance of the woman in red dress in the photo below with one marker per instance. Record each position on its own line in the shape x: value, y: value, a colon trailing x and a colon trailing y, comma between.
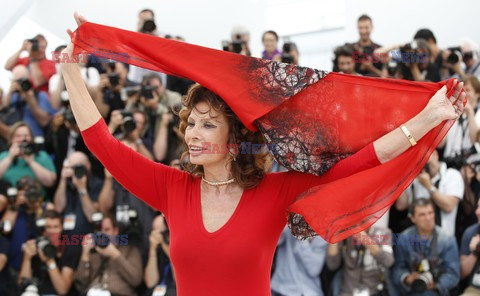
x: 227, y: 213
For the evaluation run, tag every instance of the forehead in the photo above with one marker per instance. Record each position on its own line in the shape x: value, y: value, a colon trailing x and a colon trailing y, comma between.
x: 202, y: 110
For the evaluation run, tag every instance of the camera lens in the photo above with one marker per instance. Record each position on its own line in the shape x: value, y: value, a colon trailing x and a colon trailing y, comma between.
x: 79, y: 171
x: 149, y: 26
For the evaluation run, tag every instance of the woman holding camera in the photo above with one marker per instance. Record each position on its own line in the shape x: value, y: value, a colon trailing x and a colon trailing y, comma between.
x: 23, y: 159
x: 226, y: 213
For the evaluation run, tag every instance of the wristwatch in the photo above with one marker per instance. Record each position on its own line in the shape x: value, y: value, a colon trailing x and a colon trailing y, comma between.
x: 52, y: 265
x: 139, y: 141
x: 82, y: 192
x: 432, y: 189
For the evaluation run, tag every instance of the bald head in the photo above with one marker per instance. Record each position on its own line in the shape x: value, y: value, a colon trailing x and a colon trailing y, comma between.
x: 19, y: 72
x: 79, y: 158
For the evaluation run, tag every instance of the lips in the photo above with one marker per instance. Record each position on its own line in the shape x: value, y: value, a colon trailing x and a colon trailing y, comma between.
x: 196, y: 150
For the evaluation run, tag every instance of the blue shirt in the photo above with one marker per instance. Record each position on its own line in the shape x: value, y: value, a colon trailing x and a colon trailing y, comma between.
x: 298, y: 265
x: 467, y: 236
x: 43, y: 103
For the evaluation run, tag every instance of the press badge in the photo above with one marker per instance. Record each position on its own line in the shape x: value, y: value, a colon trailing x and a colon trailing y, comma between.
x: 69, y: 222
x: 159, y: 290
x: 361, y: 292
x: 476, y: 280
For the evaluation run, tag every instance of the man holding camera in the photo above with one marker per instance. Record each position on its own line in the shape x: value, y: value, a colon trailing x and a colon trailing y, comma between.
x: 469, y: 252
x: 367, y: 46
x: 26, y: 104
x: 444, y: 186
x: 112, y: 266
x: 159, y: 275
x: 77, y: 193
x: 467, y: 54
x: 111, y: 94
x: 428, y: 263
x: 40, y: 67
x: 49, y: 261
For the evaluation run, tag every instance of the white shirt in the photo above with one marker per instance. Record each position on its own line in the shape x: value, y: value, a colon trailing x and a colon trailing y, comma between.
x: 92, y: 79
x: 454, y: 143
x: 451, y: 183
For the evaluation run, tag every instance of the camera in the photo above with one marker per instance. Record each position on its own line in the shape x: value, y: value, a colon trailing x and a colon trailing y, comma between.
x: 97, y: 218
x: 128, y: 122
x: 147, y: 91
x: 237, y: 44
x: 5, y: 227
x: 427, y: 276
x: 27, y: 148
x: 34, y: 43
x: 33, y: 193
x: 45, y: 245
x: 166, y: 236
x: 287, y: 58
x: 114, y: 79
x: 68, y: 116
x: 101, y: 240
x: 454, y: 56
x: 148, y: 26
x: 79, y: 171
x: 25, y: 84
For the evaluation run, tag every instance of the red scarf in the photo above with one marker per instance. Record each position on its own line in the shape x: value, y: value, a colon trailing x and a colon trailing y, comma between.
x: 318, y: 117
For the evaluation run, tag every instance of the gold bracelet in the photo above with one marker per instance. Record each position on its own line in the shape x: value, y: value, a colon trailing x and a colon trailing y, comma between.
x: 408, y: 134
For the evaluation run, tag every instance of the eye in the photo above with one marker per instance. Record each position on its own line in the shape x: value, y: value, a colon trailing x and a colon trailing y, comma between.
x: 190, y: 124
x: 208, y: 125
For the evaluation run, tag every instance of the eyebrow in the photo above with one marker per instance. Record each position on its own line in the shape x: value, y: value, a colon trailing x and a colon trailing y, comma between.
x: 203, y: 120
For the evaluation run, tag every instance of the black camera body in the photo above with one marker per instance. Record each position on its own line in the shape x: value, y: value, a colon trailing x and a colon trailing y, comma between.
x: 454, y: 56
x: 148, y: 26
x: 25, y: 84
x: 45, y: 245
x: 28, y: 148
x: 147, y: 91
x: 128, y: 123
x: 79, y: 171
x: 114, y: 79
x: 34, y: 42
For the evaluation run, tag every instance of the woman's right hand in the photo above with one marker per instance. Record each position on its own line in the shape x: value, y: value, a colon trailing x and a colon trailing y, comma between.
x: 14, y: 150
x: 69, y: 49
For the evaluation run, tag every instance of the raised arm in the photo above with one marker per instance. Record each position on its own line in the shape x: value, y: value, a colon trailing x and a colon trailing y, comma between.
x: 438, y: 109
x: 144, y: 178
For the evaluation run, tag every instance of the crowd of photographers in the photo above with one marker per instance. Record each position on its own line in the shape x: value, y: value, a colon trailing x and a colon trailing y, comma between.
x: 68, y: 228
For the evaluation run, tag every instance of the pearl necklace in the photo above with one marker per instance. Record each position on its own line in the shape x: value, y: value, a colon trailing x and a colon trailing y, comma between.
x: 218, y: 183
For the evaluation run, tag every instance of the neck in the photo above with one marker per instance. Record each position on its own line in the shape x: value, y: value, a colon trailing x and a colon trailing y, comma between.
x: 364, y: 42
x: 425, y: 232
x: 217, y: 173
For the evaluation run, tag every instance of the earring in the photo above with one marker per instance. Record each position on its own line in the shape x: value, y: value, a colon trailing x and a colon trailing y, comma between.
x: 232, y: 155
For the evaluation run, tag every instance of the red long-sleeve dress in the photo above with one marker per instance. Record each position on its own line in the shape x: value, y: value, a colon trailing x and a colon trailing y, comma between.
x: 236, y: 259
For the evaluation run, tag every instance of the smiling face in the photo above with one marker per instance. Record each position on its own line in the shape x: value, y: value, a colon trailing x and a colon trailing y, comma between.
x: 206, y: 127
x: 21, y: 134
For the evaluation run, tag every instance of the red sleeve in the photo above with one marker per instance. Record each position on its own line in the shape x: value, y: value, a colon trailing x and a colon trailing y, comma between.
x: 297, y: 182
x: 48, y: 68
x: 144, y: 178
x: 23, y: 61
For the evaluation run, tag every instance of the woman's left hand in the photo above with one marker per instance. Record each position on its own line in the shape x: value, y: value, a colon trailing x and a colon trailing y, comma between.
x: 441, y: 108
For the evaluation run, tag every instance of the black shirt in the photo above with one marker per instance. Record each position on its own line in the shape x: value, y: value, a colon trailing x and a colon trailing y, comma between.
x: 69, y: 258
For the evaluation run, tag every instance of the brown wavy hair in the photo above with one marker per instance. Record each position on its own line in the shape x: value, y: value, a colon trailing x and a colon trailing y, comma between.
x: 249, y: 168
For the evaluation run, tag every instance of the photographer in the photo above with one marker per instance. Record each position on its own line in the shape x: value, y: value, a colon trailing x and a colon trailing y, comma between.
x: 366, y: 46
x: 298, y: 265
x: 270, y: 43
x: 24, y: 209
x: 24, y: 159
x: 4, y: 276
x: 444, y: 186
x: 425, y: 266
x: 114, y: 198
x: 365, y: 261
x: 436, y: 54
x: 343, y: 61
x: 25, y: 104
x: 77, y: 194
x: 159, y: 274
x: 469, y: 252
x: 63, y: 138
x: 41, y: 67
x: 290, y: 54
x: 415, y: 64
x: 466, y: 54
x: 464, y: 132
x: 49, y: 261
x: 132, y: 127
x: 112, y: 267
x: 239, y: 43
x: 168, y: 140
x: 110, y: 94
